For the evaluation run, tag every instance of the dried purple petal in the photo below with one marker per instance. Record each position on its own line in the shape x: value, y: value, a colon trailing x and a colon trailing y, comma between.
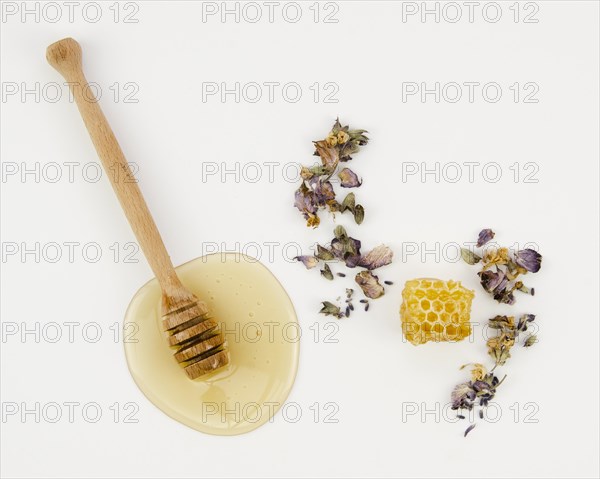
x: 462, y: 396
x: 323, y: 192
x: 348, y: 179
x: 308, y: 261
x: 529, y: 259
x: 523, y: 320
x: 469, y: 429
x: 377, y: 257
x: 305, y: 200
x: 493, y: 281
x: 485, y: 236
x: 369, y: 283
x: 505, y: 297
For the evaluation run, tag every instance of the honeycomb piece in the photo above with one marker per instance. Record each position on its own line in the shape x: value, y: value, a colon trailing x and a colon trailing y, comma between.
x: 435, y: 310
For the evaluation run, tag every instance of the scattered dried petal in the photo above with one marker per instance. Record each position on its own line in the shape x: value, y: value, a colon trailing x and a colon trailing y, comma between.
x: 308, y: 261
x: 469, y: 257
x: 369, y: 283
x: 324, y: 254
x: 485, y: 236
x: 326, y: 272
x: 529, y: 259
x: 359, y: 214
x: 530, y: 341
x: 348, y: 179
x: 328, y: 153
x: 330, y: 309
x: 379, y: 256
x: 469, y: 429
x: 349, y: 203
x: 493, y: 281
x: 462, y: 396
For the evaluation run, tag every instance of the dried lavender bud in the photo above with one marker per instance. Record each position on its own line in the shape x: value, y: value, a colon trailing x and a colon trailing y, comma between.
x: 481, y: 414
x: 389, y: 283
x: 367, y: 307
x: 347, y: 311
x: 524, y: 289
x: 364, y: 301
x: 485, y: 236
x: 308, y: 261
x: 469, y: 429
x: 341, y: 275
x: 351, y: 306
x: 529, y: 259
x: 349, y: 292
x: 469, y: 257
x: 326, y: 272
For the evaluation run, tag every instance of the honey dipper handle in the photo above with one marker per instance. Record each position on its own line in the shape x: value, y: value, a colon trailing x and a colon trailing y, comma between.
x: 65, y: 56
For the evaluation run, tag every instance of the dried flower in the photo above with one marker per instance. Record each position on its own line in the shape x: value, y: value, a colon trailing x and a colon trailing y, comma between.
x: 463, y: 396
x: 330, y: 309
x: 529, y: 259
x: 485, y: 236
x: 326, y: 272
x: 380, y: 256
x: 493, y: 281
x: 348, y: 179
x: 530, y: 341
x: 342, y: 137
x: 469, y: 257
x: 316, y: 191
x: 308, y: 261
x: 369, y: 283
x: 501, y: 269
x: 478, y: 372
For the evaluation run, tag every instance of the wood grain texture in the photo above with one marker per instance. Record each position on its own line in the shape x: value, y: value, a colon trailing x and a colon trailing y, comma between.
x: 180, y: 308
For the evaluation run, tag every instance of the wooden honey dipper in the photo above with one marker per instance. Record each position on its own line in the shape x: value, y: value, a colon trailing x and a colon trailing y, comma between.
x: 199, y: 342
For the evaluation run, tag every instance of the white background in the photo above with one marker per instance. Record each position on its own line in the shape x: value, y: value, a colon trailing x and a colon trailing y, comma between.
x: 371, y: 374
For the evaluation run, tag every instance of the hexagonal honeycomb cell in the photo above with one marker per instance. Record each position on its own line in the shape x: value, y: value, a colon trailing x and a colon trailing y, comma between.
x: 435, y: 310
